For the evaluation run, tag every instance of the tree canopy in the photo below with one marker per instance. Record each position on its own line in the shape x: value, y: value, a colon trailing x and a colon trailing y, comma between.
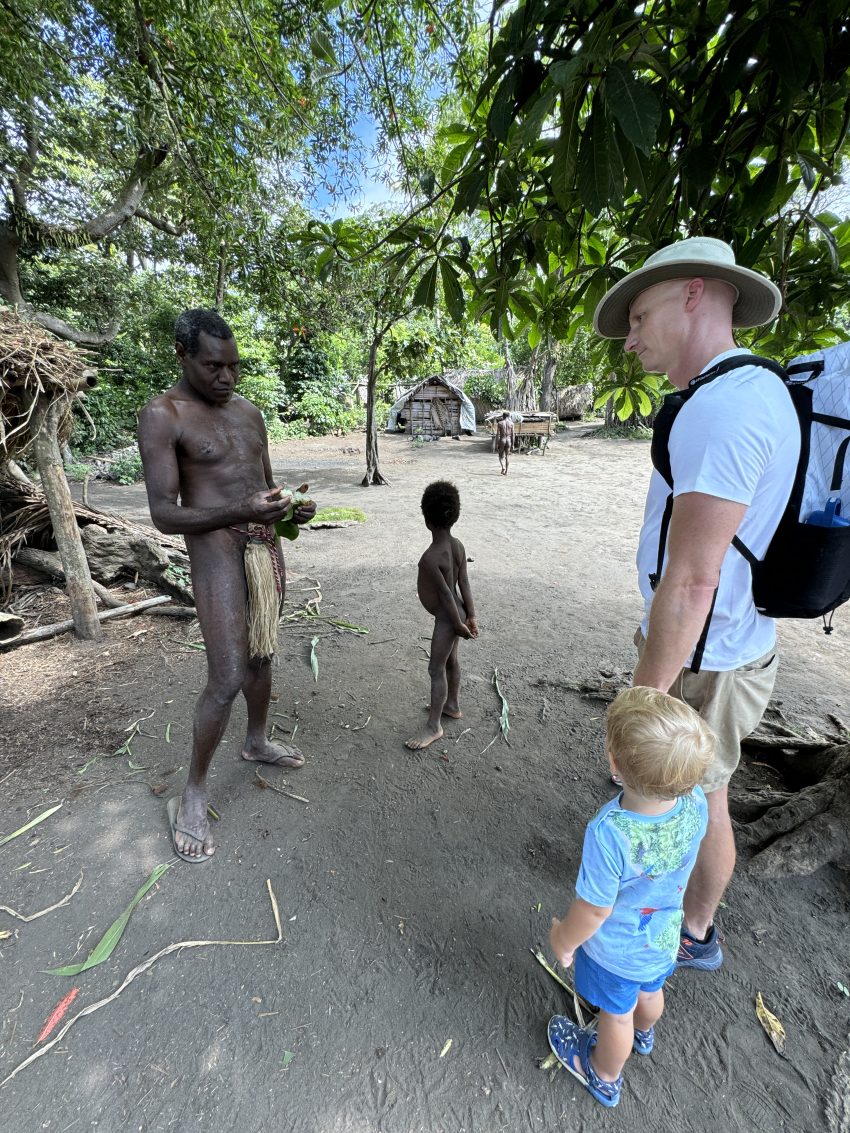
x: 136, y: 118
x: 154, y: 155
x: 602, y: 130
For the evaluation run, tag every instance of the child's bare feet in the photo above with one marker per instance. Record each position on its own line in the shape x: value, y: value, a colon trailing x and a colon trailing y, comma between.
x: 451, y: 710
x: 425, y: 739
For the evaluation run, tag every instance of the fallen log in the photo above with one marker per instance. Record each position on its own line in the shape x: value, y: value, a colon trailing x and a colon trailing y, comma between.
x: 49, y: 564
x: 118, y: 554
x: 45, y: 632
x: 115, y: 547
x: 10, y: 626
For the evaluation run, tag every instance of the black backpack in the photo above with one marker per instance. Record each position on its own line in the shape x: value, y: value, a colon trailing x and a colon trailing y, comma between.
x: 805, y: 572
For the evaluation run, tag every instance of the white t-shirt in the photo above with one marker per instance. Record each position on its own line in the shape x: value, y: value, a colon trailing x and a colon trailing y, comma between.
x: 737, y: 438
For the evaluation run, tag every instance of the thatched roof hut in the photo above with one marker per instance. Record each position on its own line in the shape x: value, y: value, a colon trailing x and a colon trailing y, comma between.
x: 434, y: 408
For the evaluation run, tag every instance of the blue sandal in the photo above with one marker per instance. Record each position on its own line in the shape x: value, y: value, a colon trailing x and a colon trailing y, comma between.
x: 569, y: 1041
x: 644, y: 1041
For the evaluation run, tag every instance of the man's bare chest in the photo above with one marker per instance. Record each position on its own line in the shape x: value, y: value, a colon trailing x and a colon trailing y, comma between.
x: 216, y: 438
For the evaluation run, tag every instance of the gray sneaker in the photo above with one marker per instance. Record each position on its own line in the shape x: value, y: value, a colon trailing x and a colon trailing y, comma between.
x: 704, y: 955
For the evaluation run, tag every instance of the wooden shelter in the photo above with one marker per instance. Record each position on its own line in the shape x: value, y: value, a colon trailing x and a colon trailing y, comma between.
x: 531, y: 430
x: 434, y: 408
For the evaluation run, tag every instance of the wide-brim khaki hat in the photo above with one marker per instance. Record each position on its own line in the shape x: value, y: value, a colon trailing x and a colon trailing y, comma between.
x: 704, y: 257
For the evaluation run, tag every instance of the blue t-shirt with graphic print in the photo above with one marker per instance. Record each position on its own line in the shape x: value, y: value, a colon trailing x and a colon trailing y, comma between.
x: 640, y: 865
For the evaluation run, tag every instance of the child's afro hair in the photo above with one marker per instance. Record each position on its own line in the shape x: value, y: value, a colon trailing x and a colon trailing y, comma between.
x: 441, y: 504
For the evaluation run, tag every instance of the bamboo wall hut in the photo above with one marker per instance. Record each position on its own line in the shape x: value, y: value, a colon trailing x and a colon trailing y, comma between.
x: 434, y: 408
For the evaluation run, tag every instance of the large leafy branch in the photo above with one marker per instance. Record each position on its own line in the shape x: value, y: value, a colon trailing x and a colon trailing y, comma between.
x: 601, y: 131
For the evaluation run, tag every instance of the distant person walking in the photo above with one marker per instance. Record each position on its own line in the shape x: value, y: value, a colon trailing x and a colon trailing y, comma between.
x: 504, y: 440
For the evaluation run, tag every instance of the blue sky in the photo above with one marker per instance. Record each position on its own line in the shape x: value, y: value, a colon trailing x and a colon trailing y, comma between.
x: 370, y: 190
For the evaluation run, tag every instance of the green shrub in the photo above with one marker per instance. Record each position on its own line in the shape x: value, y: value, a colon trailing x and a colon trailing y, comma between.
x: 289, y: 430
x: 485, y: 387
x: 127, y: 469
x: 323, y: 414
x: 77, y: 472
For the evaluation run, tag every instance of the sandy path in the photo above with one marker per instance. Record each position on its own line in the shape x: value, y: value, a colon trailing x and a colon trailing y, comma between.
x: 412, y: 886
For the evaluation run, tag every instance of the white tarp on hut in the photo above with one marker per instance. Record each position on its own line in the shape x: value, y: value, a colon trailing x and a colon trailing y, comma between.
x: 467, y: 409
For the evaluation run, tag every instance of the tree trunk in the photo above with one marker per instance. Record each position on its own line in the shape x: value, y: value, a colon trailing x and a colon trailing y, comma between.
x: 511, y: 397
x: 547, y: 387
x: 115, y: 547
x: 63, y: 518
x: 526, y: 396
x: 10, y: 283
x: 811, y: 827
x: 373, y: 471
x: 222, y: 269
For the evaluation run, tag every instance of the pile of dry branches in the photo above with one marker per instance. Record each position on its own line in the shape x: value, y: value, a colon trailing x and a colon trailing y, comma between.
x: 34, y: 363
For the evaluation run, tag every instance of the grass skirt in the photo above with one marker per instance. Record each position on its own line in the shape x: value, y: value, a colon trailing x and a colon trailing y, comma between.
x: 263, y: 597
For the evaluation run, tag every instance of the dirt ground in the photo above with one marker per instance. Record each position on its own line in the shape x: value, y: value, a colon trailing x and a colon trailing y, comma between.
x: 411, y: 886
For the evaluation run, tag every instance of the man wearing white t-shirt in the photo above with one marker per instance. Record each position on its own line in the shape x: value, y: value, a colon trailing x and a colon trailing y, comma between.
x: 733, y: 450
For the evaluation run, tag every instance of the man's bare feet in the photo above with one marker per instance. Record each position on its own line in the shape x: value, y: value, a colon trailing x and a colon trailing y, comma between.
x: 425, y: 740
x: 277, y: 755
x: 190, y: 825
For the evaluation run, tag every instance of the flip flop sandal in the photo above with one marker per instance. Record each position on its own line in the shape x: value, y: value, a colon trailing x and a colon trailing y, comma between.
x: 569, y: 1041
x: 281, y: 761
x: 173, y: 808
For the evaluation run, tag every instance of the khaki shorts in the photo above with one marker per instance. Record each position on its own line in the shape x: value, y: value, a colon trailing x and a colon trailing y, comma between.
x: 732, y: 703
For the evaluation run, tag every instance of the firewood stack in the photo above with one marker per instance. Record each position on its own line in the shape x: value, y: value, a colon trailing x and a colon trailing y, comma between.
x: 41, y: 379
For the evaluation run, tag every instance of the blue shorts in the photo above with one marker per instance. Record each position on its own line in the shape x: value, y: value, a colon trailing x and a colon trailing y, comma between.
x: 614, y: 994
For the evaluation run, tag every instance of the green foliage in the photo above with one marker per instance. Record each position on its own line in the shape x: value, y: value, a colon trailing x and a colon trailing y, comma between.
x: 623, y: 433
x: 485, y: 387
x: 127, y: 469
x: 289, y: 431
x: 382, y: 413
x: 77, y: 472
x: 336, y: 514
x: 322, y: 414
x: 312, y: 394
x: 113, y: 409
x: 344, y: 350
x: 286, y: 527
x: 576, y: 362
x: 305, y: 369
x: 634, y: 392
x: 259, y: 379
x: 83, y: 286
x: 599, y: 133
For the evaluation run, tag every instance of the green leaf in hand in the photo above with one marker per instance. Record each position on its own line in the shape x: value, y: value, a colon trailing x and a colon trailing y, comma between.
x: 287, y: 528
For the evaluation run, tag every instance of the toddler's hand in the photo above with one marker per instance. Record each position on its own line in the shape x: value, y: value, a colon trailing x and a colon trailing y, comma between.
x: 563, y: 955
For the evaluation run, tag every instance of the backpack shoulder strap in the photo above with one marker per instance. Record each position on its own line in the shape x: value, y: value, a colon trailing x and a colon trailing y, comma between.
x: 673, y: 402
x: 660, y: 453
